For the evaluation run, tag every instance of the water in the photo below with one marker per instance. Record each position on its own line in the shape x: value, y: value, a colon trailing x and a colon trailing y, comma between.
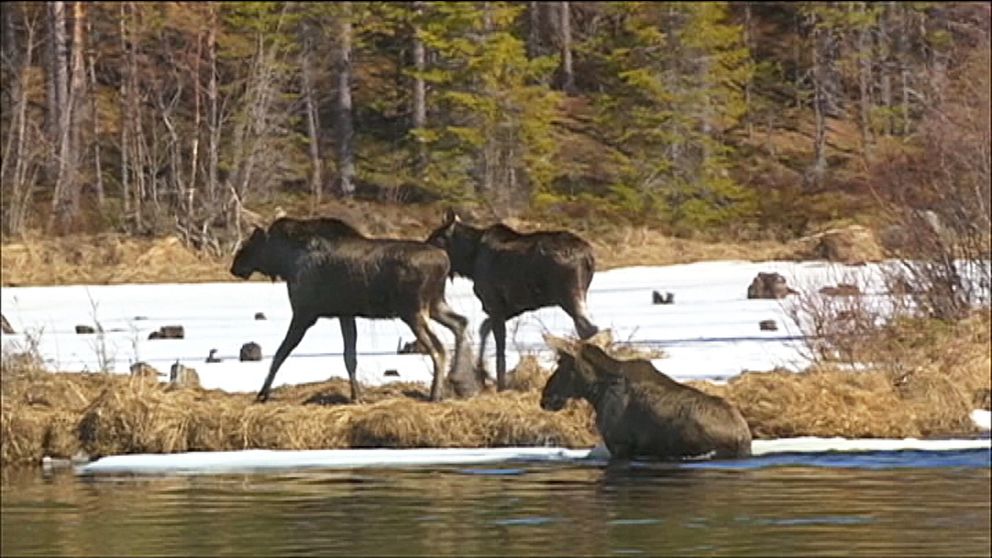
x: 910, y: 503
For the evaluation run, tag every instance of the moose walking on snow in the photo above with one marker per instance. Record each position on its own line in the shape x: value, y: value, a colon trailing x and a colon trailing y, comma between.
x: 332, y: 270
x: 514, y: 272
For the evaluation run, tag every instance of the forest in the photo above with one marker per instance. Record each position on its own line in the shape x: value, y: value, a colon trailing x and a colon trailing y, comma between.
x: 141, y: 141
x: 724, y: 119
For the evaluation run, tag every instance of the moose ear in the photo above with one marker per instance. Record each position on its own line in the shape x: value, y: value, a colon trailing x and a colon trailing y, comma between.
x: 603, y: 339
x: 596, y: 360
x: 450, y: 216
x: 561, y: 344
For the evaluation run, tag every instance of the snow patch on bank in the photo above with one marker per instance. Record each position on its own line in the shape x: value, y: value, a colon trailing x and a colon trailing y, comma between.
x: 269, y: 460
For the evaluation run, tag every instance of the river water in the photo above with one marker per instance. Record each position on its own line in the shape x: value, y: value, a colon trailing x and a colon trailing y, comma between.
x: 909, y: 503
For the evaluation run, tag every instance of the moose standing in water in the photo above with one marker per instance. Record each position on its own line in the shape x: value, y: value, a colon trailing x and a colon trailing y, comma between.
x: 331, y: 270
x: 513, y: 273
x: 641, y: 412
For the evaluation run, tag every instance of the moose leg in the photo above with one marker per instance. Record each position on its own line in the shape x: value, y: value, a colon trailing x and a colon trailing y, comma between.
x: 576, y: 309
x: 350, y: 335
x: 422, y: 331
x: 499, y: 335
x: 297, y: 327
x: 484, y: 330
x: 461, y: 374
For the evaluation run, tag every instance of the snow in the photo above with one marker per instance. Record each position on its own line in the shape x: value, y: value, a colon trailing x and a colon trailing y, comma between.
x: 227, y: 461
x: 268, y: 460
x: 812, y: 444
x: 982, y: 418
x: 710, y: 332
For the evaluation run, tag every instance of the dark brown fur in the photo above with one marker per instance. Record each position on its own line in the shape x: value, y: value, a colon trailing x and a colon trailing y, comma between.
x: 513, y: 273
x: 641, y: 412
x: 332, y: 270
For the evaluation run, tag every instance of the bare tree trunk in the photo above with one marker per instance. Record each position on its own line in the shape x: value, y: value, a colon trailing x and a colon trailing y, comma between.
x: 65, y: 202
x: 20, y: 183
x: 748, y: 117
x: 195, y: 141
x: 487, y: 17
x: 77, y: 100
x: 252, y: 137
x: 552, y: 21
x: 489, y: 150
x: 533, y: 29
x: 798, y: 61
x: 313, y: 120
x: 12, y: 75
x: 57, y: 84
x: 886, y: 100
x: 886, y: 70
x: 419, y: 90
x: 151, y: 160
x: 8, y: 43
x: 819, y: 71
x: 125, y: 139
x: 901, y: 60
x: 904, y: 73
x: 175, y: 166
x: 95, y: 119
x: 568, y: 77
x: 9, y: 58
x: 345, y: 128
x: 137, y: 135
x: 213, y: 117
x: 864, y: 87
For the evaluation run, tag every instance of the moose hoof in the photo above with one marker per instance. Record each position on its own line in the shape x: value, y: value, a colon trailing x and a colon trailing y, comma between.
x: 262, y: 397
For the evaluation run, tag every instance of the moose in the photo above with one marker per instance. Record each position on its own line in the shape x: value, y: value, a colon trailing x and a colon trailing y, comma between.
x: 333, y: 271
x: 514, y: 272
x: 641, y: 412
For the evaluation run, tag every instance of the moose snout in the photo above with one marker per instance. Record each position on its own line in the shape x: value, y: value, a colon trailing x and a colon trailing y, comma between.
x: 240, y: 272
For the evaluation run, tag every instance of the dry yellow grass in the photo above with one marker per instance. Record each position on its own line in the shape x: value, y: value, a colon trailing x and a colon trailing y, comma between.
x: 57, y: 414
x: 126, y: 419
x: 830, y: 402
x: 113, y: 414
x: 115, y: 259
x: 851, y: 244
x: 106, y: 259
x: 927, y: 378
x: 643, y: 246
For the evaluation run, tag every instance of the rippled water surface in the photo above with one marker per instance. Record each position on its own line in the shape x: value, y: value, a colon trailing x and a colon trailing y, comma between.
x: 904, y: 503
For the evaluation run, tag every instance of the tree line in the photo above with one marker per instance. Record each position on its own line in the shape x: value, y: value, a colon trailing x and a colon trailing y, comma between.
x: 150, y: 115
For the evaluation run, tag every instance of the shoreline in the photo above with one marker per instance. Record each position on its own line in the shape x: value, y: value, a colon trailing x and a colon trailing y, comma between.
x: 62, y: 415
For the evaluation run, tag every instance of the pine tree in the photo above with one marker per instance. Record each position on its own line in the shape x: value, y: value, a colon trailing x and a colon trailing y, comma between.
x: 492, y: 139
x: 674, y: 79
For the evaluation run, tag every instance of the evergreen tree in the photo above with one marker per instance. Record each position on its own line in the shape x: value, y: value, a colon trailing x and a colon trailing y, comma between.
x: 491, y: 134
x: 674, y: 77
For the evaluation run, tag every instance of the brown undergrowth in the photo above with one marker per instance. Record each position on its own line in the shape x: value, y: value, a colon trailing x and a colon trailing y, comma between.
x: 106, y: 259
x: 59, y: 414
x: 116, y: 259
x: 925, y: 379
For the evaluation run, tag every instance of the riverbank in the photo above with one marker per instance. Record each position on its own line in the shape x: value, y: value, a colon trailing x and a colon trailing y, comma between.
x: 61, y: 415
